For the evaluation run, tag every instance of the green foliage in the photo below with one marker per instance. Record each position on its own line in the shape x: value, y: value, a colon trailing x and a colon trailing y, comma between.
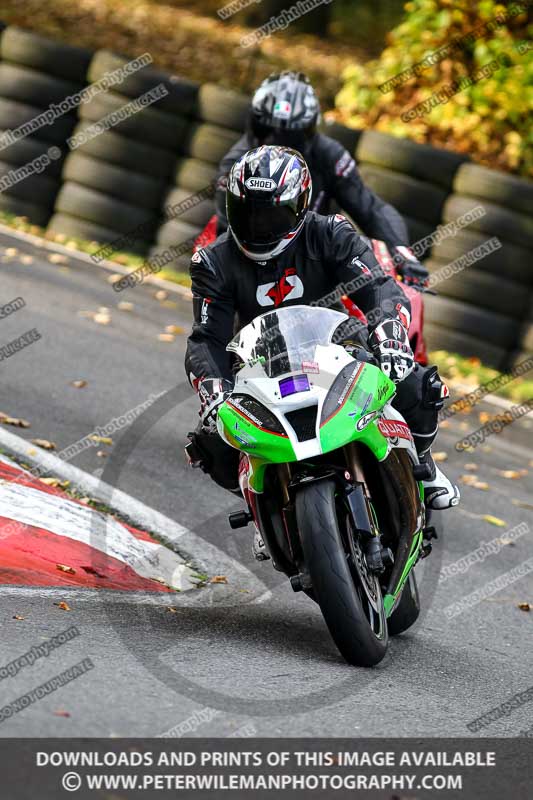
x: 490, y: 119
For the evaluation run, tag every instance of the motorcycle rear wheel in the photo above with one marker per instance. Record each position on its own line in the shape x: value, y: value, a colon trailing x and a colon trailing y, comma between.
x: 338, y: 588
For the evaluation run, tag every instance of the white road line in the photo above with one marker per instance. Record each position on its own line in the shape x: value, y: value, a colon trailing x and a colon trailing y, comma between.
x: 89, y: 595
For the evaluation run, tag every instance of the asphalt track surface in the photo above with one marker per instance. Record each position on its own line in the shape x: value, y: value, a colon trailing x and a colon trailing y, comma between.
x: 257, y: 658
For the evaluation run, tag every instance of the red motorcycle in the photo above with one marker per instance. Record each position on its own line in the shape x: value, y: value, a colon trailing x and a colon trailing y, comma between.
x: 385, y: 260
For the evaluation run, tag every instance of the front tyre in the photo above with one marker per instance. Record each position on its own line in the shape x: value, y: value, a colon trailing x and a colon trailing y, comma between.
x: 338, y: 588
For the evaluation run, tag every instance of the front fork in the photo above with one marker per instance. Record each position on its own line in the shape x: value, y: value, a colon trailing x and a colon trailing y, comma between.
x: 362, y: 512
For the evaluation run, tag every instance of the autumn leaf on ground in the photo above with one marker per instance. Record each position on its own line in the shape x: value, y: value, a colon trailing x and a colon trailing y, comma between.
x: 18, y: 617
x: 102, y: 454
x: 50, y: 481
x: 440, y: 456
x: 218, y: 579
x: 524, y: 606
x: 125, y: 306
x: 166, y: 337
x: 57, y: 258
x: 161, y: 295
x: 60, y: 713
x: 169, y: 304
x: 522, y: 504
x: 114, y: 278
x: 172, y: 610
x: 11, y: 251
x: 78, y: 384
x: 26, y: 259
x: 445, y: 423
x: 100, y: 439
x: 174, y: 329
x: 472, y: 480
x: 65, y: 568
x: 471, y: 467
x: 512, y: 474
x: 494, y: 520
x: 101, y: 319
x: 63, y: 606
x: 44, y: 443
x: 18, y: 423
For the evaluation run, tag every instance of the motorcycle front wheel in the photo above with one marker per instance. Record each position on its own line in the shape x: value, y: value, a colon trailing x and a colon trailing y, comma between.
x: 348, y: 595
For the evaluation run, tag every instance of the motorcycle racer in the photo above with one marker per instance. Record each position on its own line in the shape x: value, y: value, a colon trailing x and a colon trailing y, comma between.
x: 277, y: 252
x: 285, y: 111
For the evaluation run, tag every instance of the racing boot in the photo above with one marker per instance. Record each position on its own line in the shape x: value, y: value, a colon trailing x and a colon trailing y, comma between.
x: 439, y: 491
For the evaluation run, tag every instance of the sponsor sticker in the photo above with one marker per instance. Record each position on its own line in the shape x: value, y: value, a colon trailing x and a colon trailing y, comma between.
x: 310, y: 366
x: 261, y: 184
x: 392, y: 429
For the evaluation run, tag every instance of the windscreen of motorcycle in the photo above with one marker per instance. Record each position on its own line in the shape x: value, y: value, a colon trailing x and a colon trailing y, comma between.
x: 285, y: 340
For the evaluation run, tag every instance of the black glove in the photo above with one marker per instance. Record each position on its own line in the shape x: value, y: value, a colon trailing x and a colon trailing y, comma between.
x: 212, y: 393
x: 390, y: 344
x: 413, y: 273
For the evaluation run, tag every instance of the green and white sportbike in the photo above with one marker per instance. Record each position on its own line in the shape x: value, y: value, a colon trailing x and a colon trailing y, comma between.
x: 329, y: 473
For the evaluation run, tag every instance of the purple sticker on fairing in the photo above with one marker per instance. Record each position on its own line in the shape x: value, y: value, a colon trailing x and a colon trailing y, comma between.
x: 296, y: 383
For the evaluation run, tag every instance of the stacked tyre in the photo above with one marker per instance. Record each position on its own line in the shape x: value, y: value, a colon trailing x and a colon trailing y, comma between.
x: 220, y: 119
x: 416, y: 179
x: 483, y: 308
x: 34, y: 74
x: 115, y: 181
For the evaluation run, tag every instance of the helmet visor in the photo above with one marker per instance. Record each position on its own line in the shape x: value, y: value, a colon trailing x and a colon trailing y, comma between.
x: 258, y: 225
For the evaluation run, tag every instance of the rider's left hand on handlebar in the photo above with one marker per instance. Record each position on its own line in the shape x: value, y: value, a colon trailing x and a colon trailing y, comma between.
x: 412, y: 272
x: 390, y: 343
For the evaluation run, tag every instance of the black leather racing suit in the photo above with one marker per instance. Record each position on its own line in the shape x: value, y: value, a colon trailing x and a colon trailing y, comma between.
x: 335, y: 177
x: 230, y: 290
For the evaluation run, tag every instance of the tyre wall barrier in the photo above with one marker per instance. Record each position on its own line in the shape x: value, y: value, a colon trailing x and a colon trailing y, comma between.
x: 134, y: 175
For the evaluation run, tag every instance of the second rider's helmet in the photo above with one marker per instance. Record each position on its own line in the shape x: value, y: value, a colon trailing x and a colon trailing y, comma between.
x: 285, y: 111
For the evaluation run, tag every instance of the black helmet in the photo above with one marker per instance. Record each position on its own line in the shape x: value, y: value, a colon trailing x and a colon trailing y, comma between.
x: 267, y: 197
x: 285, y: 111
